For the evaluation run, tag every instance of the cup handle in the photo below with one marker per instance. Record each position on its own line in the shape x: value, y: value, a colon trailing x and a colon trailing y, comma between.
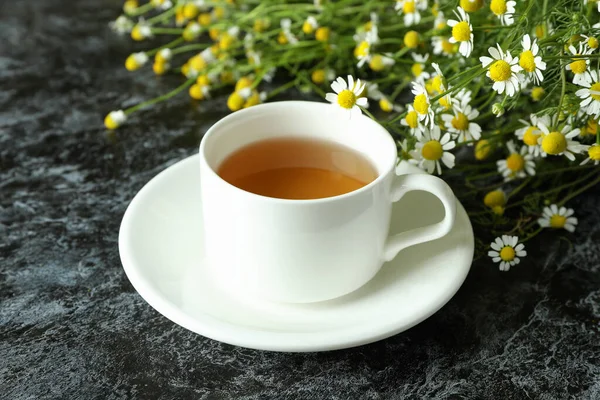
x: 406, y: 183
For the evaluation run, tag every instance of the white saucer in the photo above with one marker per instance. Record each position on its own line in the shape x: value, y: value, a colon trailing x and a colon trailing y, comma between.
x: 160, y: 242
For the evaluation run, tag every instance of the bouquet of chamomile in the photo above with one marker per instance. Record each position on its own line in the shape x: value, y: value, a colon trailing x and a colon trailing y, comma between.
x: 501, y: 98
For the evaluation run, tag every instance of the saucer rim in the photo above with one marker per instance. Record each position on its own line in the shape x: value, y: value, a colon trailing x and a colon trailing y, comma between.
x: 252, y: 337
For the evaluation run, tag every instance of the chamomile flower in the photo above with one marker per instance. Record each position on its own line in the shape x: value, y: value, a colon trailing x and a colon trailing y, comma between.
x: 440, y: 21
x: 503, y: 69
x: 593, y: 154
x: 348, y: 95
x: 379, y: 62
x: 530, y: 134
x: 504, y: 10
x: 141, y: 31
x: 410, y: 9
x: 387, y: 106
x: 309, y: 25
x: 579, y: 66
x: 411, y: 120
x: 591, y: 42
x: 438, y: 85
x: 442, y: 45
x: 507, y: 250
x: 114, y: 119
x: 362, y: 51
x: 518, y: 164
x: 418, y: 68
x: 430, y: 150
x: 462, y: 32
x: 561, y: 142
x: 422, y: 105
x: 461, y: 124
x: 286, y: 36
x: 531, y: 61
x: 590, y: 96
x: 135, y: 61
x: 121, y: 25
x: 558, y: 218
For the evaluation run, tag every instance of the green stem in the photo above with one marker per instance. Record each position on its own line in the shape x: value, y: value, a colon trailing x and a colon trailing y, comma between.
x: 167, y: 31
x: 579, y: 191
x: 190, y: 47
x: 281, y: 88
x: 166, y: 46
x: 142, y: 10
x: 164, y: 97
x: 161, y: 17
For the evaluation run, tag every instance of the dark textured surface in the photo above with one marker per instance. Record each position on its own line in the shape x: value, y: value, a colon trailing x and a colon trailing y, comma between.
x: 71, y: 325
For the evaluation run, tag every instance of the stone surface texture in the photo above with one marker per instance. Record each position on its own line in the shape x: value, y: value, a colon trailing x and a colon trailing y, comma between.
x: 73, y: 327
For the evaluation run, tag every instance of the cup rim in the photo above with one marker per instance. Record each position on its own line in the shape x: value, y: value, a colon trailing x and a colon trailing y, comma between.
x: 242, y: 113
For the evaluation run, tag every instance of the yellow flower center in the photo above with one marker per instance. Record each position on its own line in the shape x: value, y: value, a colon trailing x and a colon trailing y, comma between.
x: 281, y: 38
x: 445, y: 102
x: 437, y: 83
x: 253, y: 100
x: 136, y: 33
x: 500, y: 71
x: 498, y: 7
x: 515, y: 162
x: 318, y: 76
x: 593, y: 43
x: 471, y: 5
x: 260, y: 25
x: 196, y: 92
x: 578, y: 66
x: 386, y: 105
x: 498, y: 210
x: 460, y: 122
x: 409, y: 7
x: 461, y: 32
x: 110, y: 123
x: 376, y: 63
x: 594, y: 152
x: 530, y: 138
x: 495, y: 198
x: 537, y: 93
x: 197, y: 62
x: 447, y: 47
x: 412, y: 119
x: 362, y: 50
x: 507, y: 253
x: 226, y: 41
x: 219, y: 12
x: 417, y: 69
x: 592, y: 127
x: 595, y: 88
x: 368, y: 26
x: 190, y: 10
x: 235, y: 101
x: 526, y: 61
x: 322, y: 34
x: 242, y: 83
x: 411, y: 39
x: 482, y: 149
x: 558, y: 221
x: 420, y: 104
x: 540, y: 31
x: 307, y: 28
x: 441, y: 25
x: 432, y: 150
x: 204, y: 19
x: 346, y: 99
x: 160, y: 68
x: 554, y: 143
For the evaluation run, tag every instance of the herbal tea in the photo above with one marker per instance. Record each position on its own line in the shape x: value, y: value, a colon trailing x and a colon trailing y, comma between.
x: 297, y: 168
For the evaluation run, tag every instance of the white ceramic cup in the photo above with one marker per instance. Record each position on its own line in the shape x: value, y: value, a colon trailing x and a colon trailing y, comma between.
x: 305, y: 251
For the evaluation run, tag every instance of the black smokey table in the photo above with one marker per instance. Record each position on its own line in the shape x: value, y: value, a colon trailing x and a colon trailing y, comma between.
x: 72, y: 326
